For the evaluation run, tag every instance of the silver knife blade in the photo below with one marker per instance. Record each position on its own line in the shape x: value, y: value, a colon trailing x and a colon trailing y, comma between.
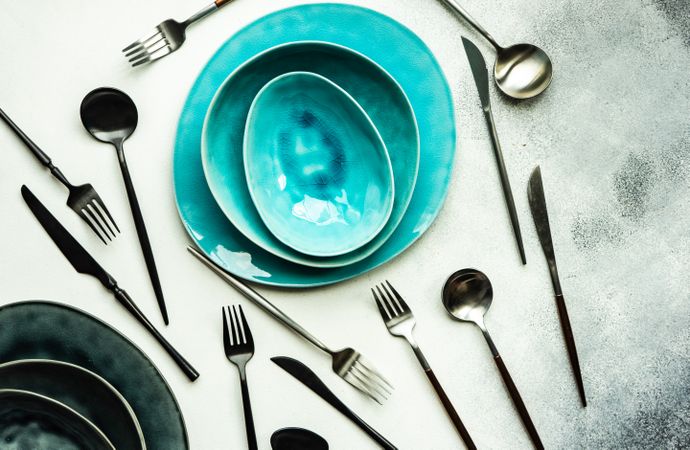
x: 537, y: 204
x: 479, y: 71
x: 80, y: 259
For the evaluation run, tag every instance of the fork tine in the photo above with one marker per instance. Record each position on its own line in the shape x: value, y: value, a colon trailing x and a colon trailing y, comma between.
x: 107, y: 213
x: 358, y: 382
x: 389, y: 301
x: 382, y: 309
x: 89, y: 210
x: 375, y: 375
x: 153, y: 40
x: 245, y: 327
x: 226, y: 334
x: 96, y: 208
x: 146, y: 49
x: 86, y: 219
x: 157, y: 54
x: 141, y: 40
x: 235, y: 327
x: 371, y: 383
x: 403, y: 304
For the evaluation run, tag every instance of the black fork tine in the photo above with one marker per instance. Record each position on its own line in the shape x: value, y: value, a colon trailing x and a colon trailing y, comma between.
x: 226, y: 334
x: 245, y: 327
x: 90, y: 211
x: 235, y: 327
x: 95, y: 207
x: 88, y: 221
x: 101, y: 207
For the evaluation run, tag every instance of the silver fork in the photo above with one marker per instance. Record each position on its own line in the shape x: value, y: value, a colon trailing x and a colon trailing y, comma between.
x: 83, y: 199
x: 400, y: 322
x: 349, y: 364
x: 239, y: 349
x: 167, y: 37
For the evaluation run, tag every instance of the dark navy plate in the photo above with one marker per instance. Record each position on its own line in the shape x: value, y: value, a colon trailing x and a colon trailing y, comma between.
x: 48, y: 330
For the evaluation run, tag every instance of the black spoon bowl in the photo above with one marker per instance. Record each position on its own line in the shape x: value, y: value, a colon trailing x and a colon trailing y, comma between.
x: 111, y: 116
x: 297, y: 439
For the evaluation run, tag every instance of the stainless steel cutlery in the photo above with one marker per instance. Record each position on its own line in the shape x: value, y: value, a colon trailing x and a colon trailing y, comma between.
x: 537, y: 203
x: 398, y: 318
x: 238, y: 344
x: 84, y: 263
x: 83, y: 199
x: 348, y: 363
x: 481, y: 79
x: 167, y: 37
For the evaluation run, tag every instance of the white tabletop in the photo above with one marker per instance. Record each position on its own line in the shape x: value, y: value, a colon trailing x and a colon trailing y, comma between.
x: 611, y: 136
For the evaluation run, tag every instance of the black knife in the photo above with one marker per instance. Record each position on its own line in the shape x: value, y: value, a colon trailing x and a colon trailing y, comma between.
x: 308, y: 378
x: 537, y: 203
x: 84, y: 263
x: 481, y: 79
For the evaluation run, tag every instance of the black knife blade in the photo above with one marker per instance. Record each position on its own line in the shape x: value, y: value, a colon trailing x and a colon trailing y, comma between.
x: 84, y: 263
x: 308, y: 378
x: 80, y: 259
x: 537, y: 204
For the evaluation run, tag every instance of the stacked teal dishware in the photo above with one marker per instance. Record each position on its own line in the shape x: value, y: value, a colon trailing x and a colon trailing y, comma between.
x: 309, y: 152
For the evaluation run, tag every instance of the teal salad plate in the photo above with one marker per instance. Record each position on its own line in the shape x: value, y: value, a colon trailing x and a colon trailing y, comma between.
x: 47, y: 330
x: 316, y: 166
x: 395, y: 48
x: 85, y: 392
x: 31, y: 421
x: 223, y: 136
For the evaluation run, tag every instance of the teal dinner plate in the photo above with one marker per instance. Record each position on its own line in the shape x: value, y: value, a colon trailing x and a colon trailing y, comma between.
x: 30, y: 421
x: 316, y: 166
x: 82, y: 390
x: 372, y: 87
x: 401, y: 53
x: 47, y: 330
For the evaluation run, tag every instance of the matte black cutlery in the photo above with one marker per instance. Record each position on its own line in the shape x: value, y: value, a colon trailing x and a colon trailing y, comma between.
x: 111, y: 116
x: 83, y: 199
x: 398, y: 318
x: 537, y: 203
x: 481, y: 79
x: 84, y: 263
x: 238, y: 344
x: 297, y: 439
x: 308, y: 378
x: 467, y: 296
x: 348, y: 363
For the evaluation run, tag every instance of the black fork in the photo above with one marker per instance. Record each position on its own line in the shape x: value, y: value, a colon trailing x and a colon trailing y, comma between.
x: 83, y: 199
x: 239, y: 349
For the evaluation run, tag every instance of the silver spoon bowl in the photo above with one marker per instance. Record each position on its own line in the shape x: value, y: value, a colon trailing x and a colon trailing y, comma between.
x: 521, y: 71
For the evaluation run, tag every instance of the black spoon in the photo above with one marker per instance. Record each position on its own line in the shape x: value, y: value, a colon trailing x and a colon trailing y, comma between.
x: 297, y: 439
x: 111, y: 116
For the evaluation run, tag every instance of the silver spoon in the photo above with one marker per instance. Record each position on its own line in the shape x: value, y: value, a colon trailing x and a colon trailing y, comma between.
x: 467, y: 296
x: 521, y: 71
x: 111, y: 116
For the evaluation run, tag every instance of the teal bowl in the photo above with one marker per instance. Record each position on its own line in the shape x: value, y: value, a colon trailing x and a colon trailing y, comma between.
x: 399, y: 52
x: 316, y: 166
x: 373, y: 88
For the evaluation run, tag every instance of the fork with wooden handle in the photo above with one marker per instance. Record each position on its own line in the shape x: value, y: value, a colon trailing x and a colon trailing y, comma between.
x: 400, y: 322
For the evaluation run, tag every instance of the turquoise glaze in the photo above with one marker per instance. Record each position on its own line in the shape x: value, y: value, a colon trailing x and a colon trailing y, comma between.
x: 317, y: 168
x: 371, y: 86
x: 401, y: 53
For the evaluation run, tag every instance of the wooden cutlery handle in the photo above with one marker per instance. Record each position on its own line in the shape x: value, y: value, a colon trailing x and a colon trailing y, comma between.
x: 220, y: 3
x: 570, y: 344
x: 519, y: 404
x: 450, y: 409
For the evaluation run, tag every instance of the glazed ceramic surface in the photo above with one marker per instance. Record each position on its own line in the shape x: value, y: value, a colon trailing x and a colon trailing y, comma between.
x: 317, y: 168
x: 47, y: 330
x: 31, y: 421
x: 398, y: 51
x: 83, y: 391
x: 297, y: 439
x: 371, y: 86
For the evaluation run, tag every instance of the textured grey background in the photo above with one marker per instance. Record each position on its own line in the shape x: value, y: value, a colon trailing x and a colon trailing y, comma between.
x: 612, y: 135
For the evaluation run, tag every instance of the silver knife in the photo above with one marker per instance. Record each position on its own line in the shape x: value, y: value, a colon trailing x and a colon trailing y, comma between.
x: 481, y: 79
x: 84, y: 263
x: 537, y: 204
